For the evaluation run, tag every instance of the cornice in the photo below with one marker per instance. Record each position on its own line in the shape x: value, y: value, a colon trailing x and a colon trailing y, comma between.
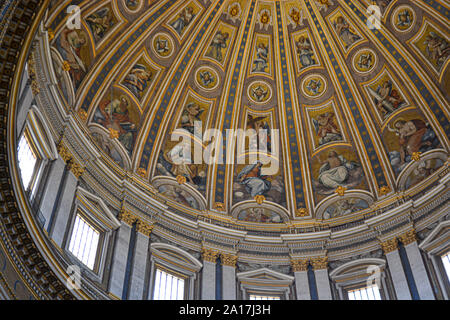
x: 30, y: 262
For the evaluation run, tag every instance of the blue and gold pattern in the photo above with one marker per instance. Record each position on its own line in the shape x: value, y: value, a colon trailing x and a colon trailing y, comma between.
x: 355, y: 106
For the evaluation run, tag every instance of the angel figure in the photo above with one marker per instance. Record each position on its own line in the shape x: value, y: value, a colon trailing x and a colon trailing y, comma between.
x: 259, y: 93
x: 365, y: 61
x: 404, y: 19
x: 206, y: 78
x: 162, y: 46
x: 314, y: 86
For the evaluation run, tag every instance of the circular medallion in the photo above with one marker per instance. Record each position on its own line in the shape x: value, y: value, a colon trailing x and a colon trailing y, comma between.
x: 163, y: 45
x: 314, y: 86
x: 364, y: 61
x: 259, y: 92
x: 403, y: 18
x: 133, y: 5
x: 207, y: 78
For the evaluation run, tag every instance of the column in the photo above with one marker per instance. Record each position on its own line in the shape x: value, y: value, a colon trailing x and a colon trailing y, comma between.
x: 51, y: 190
x: 229, y: 276
x: 60, y: 208
x: 419, y: 272
x: 119, y: 260
x: 209, y: 274
x: 25, y: 101
x: 300, y: 268
x: 320, y: 266
x: 63, y: 209
x: 140, y: 261
x: 401, y: 287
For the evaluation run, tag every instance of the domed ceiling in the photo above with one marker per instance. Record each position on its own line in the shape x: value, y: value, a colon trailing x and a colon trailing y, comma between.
x: 354, y: 114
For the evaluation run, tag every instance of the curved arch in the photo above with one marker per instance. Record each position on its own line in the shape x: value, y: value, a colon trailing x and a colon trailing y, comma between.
x: 360, y: 262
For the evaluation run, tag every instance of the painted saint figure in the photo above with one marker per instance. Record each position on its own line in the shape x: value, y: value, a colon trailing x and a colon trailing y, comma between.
x: 262, y: 55
x: 337, y: 171
x: 190, y: 115
x: 305, y: 52
x: 218, y: 43
x: 183, y: 20
x: 413, y: 136
x: 437, y: 49
x: 254, y: 182
x: 326, y: 128
x: 115, y: 115
x: 137, y: 79
x: 387, y: 99
x: 262, y: 141
x: 100, y: 22
x: 70, y: 44
x: 344, y: 31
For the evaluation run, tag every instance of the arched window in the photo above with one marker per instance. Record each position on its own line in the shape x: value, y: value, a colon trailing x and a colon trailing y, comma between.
x: 371, y: 292
x: 446, y: 263
x: 88, y: 234
x: 168, y: 286
x: 264, y: 297
x: 84, y: 241
x: 174, y: 273
x: 265, y: 284
x: 437, y: 249
x: 363, y: 279
x: 35, y: 150
x: 27, y: 159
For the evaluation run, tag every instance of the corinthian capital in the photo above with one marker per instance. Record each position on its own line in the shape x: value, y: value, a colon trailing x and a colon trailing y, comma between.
x: 299, y: 265
x: 209, y: 255
x: 408, y: 237
x: 228, y: 259
x: 389, y: 245
x: 319, y: 263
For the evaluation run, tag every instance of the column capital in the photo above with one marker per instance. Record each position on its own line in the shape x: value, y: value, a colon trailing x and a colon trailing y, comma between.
x: 127, y: 217
x: 299, y: 265
x: 389, y: 245
x: 75, y: 168
x: 228, y: 259
x: 64, y: 152
x: 319, y: 263
x: 144, y: 227
x: 408, y: 237
x: 209, y: 255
